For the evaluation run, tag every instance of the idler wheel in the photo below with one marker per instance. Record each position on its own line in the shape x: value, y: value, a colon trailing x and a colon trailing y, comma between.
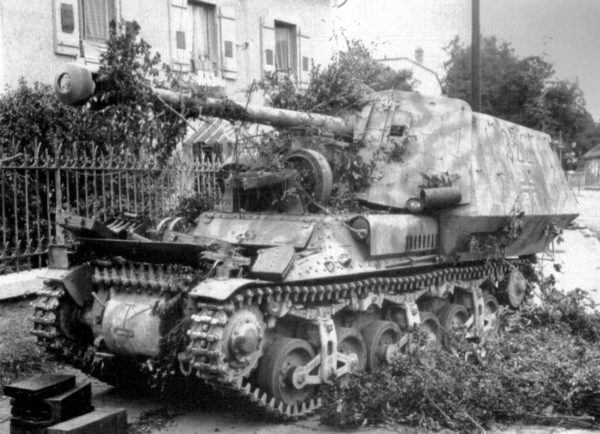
x: 243, y: 340
x: 378, y: 336
x: 350, y: 341
x: 275, y: 372
x: 452, y: 316
x: 71, y: 324
x: 513, y: 288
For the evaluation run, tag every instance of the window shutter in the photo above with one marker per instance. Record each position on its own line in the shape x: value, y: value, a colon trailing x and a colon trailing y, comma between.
x: 304, y: 59
x: 66, y: 27
x: 181, y: 35
x: 267, y: 33
x: 229, y: 61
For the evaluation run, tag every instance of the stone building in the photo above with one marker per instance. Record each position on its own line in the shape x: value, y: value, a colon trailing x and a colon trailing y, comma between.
x: 591, y: 169
x: 426, y: 80
x: 225, y: 42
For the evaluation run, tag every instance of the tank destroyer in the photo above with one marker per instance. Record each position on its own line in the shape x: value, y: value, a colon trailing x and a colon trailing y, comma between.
x: 271, y: 303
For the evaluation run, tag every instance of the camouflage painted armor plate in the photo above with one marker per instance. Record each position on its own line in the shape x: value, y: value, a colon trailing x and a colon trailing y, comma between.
x: 269, y: 305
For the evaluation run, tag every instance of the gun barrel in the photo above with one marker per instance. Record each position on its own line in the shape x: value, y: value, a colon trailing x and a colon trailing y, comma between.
x: 279, y: 118
x: 76, y: 84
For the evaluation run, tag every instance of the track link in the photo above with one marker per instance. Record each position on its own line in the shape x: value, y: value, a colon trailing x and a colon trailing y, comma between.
x: 46, y: 317
x: 203, y: 355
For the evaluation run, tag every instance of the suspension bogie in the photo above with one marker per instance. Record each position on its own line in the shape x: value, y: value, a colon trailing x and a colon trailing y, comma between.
x: 274, y: 344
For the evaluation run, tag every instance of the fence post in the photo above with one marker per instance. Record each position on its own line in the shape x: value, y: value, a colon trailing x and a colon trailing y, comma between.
x: 60, y: 238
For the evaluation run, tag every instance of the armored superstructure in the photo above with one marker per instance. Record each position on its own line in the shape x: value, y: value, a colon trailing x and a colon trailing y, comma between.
x: 269, y: 303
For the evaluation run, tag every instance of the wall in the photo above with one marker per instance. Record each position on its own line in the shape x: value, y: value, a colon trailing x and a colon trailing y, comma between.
x: 427, y: 81
x: 152, y: 15
x: 27, y: 43
x: 592, y: 172
x: 395, y: 28
x: 314, y: 17
x: 27, y: 34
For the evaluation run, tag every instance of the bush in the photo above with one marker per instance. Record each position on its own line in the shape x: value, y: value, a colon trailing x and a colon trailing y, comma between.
x: 572, y: 311
x: 19, y: 353
x: 543, y: 368
x: 341, y: 85
x: 32, y: 119
x: 124, y: 122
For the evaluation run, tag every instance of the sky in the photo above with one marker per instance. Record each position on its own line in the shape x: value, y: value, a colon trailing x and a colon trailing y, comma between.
x: 565, y: 32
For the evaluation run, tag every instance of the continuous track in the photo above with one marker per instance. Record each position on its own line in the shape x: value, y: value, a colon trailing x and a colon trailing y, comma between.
x: 203, y: 354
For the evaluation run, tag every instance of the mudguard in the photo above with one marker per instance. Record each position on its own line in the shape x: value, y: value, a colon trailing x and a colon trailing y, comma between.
x: 77, y: 282
x: 220, y: 289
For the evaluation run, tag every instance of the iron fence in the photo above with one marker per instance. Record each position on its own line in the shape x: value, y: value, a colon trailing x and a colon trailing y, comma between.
x: 36, y: 185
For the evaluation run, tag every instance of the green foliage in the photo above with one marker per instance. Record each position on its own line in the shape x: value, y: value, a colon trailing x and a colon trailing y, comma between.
x: 190, y: 206
x: 31, y: 115
x: 522, y: 90
x: 344, y: 84
x: 443, y: 179
x: 133, y: 117
x: 542, y: 368
x: 341, y: 85
x: 572, y: 312
x: 19, y: 353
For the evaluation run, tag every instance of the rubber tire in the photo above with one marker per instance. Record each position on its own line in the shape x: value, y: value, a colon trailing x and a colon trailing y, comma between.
x: 448, y: 312
x: 353, y: 335
x: 269, y: 378
x: 372, y: 333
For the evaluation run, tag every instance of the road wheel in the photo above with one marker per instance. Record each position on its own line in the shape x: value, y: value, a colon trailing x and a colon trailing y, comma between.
x: 350, y: 341
x: 378, y: 335
x: 280, y: 361
x: 452, y: 316
x: 430, y: 325
x: 490, y: 314
x: 513, y: 288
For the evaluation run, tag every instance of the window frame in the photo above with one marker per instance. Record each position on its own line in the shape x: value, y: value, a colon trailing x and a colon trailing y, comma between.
x: 212, y: 33
x: 293, y: 47
x: 110, y: 15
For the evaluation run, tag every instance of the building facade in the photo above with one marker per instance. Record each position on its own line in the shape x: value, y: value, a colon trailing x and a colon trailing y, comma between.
x: 229, y: 43
x: 591, y: 168
x: 425, y: 79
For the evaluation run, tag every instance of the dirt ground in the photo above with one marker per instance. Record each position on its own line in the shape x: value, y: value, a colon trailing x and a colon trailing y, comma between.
x: 578, y: 257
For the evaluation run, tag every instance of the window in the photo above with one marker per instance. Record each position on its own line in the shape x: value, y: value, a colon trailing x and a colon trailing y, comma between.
x: 67, y: 18
x: 285, y: 48
x: 305, y: 63
x: 95, y: 17
x: 204, y: 40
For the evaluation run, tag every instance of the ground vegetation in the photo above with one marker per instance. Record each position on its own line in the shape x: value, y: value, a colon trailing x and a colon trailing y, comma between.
x: 540, y: 368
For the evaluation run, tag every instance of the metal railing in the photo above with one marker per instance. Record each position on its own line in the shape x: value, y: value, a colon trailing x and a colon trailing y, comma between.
x: 35, y: 186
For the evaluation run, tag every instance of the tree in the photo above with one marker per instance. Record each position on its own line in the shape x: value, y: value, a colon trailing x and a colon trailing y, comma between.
x: 124, y: 116
x: 522, y: 90
x: 340, y: 85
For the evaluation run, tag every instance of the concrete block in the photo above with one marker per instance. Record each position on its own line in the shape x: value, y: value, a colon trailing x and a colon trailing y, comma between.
x: 40, y: 387
x: 19, y: 427
x: 30, y: 407
x: 96, y: 422
x: 20, y: 284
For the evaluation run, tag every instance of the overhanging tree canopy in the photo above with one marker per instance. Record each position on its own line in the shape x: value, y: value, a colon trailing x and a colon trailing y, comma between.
x: 522, y: 90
